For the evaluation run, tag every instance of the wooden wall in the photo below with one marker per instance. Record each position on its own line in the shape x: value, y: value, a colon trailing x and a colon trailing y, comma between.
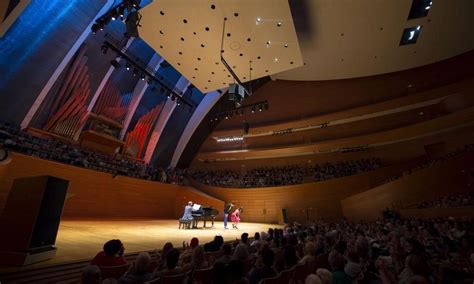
x: 441, y: 179
x: 93, y: 194
x: 302, y: 202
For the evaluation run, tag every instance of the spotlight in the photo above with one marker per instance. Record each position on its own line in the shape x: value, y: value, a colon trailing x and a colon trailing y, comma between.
x: 178, y: 102
x: 260, y: 108
x: 104, y: 48
x: 167, y: 96
x: 142, y: 76
x: 115, y: 63
x: 253, y: 109
x: 127, y: 66
x: 95, y: 27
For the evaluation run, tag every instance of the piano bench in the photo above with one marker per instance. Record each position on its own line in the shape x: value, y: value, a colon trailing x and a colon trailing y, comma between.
x: 185, y: 223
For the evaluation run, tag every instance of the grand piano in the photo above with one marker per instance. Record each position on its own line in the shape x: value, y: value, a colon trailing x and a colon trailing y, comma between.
x: 203, y: 213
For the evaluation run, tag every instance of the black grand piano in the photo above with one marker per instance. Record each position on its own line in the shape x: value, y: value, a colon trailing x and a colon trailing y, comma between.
x: 203, y: 213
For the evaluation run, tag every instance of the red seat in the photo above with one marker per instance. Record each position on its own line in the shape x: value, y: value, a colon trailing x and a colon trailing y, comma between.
x: 203, y: 276
x: 300, y: 273
x: 249, y: 264
x: 211, y: 257
x: 114, y: 271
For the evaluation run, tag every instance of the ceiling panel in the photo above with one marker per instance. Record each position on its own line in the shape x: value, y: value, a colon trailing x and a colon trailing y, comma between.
x: 189, y: 37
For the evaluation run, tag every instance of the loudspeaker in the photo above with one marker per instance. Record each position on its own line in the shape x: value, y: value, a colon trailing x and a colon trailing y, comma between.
x: 245, y: 127
x: 30, y: 220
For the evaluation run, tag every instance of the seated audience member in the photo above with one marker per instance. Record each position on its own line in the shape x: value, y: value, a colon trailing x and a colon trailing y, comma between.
x: 309, y: 253
x: 221, y: 273
x: 353, y: 271
x: 337, y: 263
x: 112, y: 255
x: 325, y: 275
x: 256, y: 239
x: 227, y: 256
x: 265, y: 271
x: 241, y: 253
x: 244, y: 239
x: 198, y: 260
x: 289, y: 254
x: 162, y: 255
x: 138, y: 272
x: 171, y: 265
x: 237, y: 273
x: 214, y: 245
x: 91, y: 275
x: 313, y: 279
x: 188, y: 250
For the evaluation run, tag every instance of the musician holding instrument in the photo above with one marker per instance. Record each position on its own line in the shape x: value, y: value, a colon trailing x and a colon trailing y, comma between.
x: 227, y: 209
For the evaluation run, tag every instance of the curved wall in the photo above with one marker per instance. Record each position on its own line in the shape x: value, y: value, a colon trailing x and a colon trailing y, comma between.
x: 302, y: 202
x: 444, y: 178
x: 93, y: 194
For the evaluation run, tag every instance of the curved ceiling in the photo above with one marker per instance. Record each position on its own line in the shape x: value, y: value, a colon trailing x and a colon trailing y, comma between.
x: 347, y: 39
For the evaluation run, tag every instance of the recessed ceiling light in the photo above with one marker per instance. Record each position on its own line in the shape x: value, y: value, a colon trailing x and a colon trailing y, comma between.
x: 269, y: 43
x: 279, y: 24
x: 275, y: 60
x: 213, y: 6
x: 258, y: 21
x: 286, y: 45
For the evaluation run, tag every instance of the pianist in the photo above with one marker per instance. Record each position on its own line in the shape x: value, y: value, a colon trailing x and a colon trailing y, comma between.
x: 188, y: 210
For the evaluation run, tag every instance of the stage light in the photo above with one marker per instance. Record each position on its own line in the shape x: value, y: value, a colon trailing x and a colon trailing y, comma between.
x: 127, y: 66
x: 260, y: 108
x: 115, y: 63
x: 142, y: 77
x: 95, y: 28
x: 253, y: 109
x: 104, y: 48
x: 269, y: 43
x: 178, y: 102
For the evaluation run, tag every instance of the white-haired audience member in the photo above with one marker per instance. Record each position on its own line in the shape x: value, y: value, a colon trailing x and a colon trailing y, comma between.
x: 91, y: 275
x: 138, y: 272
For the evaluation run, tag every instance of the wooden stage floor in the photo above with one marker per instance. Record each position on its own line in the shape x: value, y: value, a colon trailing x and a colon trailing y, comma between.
x: 82, y: 239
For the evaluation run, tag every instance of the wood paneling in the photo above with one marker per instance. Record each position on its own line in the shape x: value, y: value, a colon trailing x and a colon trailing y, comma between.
x: 447, y: 121
x: 302, y: 202
x: 390, y: 154
x: 443, y: 178
x: 93, y: 194
x: 452, y: 90
x: 294, y: 100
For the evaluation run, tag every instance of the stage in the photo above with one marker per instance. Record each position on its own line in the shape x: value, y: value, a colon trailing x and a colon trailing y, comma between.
x: 82, y: 239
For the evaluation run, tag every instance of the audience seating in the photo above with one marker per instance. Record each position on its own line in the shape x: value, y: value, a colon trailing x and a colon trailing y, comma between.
x: 114, y: 271
x: 211, y: 257
x: 203, y: 276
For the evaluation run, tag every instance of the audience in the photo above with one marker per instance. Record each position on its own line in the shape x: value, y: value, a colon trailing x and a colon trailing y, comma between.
x: 285, y: 175
x: 112, y: 255
x: 138, y: 272
x: 15, y: 139
x: 393, y: 250
x: 453, y: 200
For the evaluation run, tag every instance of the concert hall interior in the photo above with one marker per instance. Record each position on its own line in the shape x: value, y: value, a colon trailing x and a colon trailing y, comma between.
x: 236, y: 141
